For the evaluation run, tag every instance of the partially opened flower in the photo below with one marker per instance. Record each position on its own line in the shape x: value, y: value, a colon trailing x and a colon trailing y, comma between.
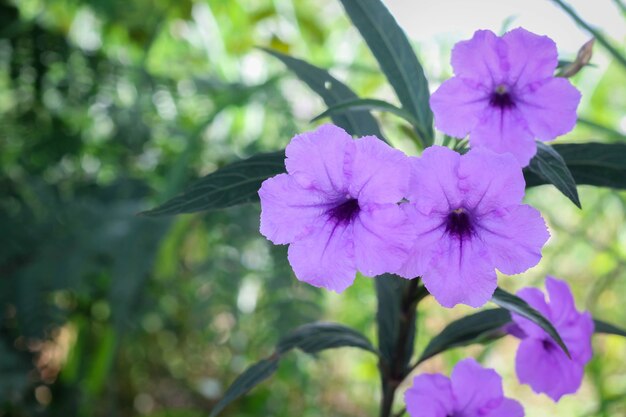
x: 540, y: 362
x: 337, y: 207
x: 471, y: 391
x: 504, y: 93
x: 468, y: 219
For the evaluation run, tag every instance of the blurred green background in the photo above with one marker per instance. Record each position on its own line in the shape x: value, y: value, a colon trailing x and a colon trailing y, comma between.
x: 108, y: 107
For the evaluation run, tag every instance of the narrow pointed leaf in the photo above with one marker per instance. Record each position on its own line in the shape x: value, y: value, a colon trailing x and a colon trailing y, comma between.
x: 234, y: 184
x: 480, y: 327
x: 516, y: 305
x: 250, y: 378
x: 592, y: 163
x: 333, y: 92
x: 549, y: 165
x: 396, y: 58
x: 366, y: 104
x: 608, y: 328
x: 314, y: 337
x: 310, y: 338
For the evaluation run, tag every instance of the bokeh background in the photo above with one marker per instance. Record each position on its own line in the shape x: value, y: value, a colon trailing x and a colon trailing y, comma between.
x: 108, y: 107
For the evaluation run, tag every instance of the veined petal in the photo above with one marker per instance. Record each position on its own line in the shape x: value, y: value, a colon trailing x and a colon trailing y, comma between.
x: 482, y: 58
x: 320, y: 159
x: 457, y: 105
x: 490, y: 181
x: 502, y: 131
x: 550, y: 108
x: 433, y: 185
x: 381, y: 239
x: 429, y: 396
x: 531, y: 57
x: 477, y: 390
x: 379, y: 173
x: 288, y: 210
x: 514, y: 236
x: 325, y: 257
x: 459, y: 272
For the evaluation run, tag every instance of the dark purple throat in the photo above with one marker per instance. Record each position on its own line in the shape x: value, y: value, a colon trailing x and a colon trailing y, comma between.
x: 346, y: 211
x: 548, y: 345
x: 459, y: 223
x: 501, y: 98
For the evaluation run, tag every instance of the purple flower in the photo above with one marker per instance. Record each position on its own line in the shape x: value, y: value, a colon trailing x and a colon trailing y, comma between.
x: 468, y: 220
x: 471, y: 391
x: 504, y: 93
x: 540, y: 362
x: 337, y: 207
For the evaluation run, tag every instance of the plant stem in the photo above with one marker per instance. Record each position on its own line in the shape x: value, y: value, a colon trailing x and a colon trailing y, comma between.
x: 393, y: 373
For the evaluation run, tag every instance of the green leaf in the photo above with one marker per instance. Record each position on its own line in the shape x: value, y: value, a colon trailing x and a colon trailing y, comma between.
x: 333, y: 92
x: 593, y: 163
x: 396, y: 58
x: 476, y: 328
x: 518, y: 306
x: 310, y: 338
x: 234, y: 184
x: 314, y: 337
x: 550, y: 166
x: 366, y: 104
x: 608, y: 328
x: 250, y: 378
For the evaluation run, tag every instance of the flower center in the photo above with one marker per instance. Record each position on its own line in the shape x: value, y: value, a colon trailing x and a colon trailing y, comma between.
x: 501, y: 98
x: 548, y: 345
x: 346, y: 211
x: 459, y: 223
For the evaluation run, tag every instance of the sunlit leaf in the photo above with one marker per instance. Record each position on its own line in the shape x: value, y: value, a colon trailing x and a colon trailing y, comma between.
x: 518, y: 306
x: 396, y: 58
x: 476, y: 328
x: 550, y: 166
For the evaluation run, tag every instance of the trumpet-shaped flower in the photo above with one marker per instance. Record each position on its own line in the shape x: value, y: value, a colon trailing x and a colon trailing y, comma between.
x: 471, y: 391
x: 468, y: 219
x: 540, y: 362
x: 504, y: 93
x: 337, y: 207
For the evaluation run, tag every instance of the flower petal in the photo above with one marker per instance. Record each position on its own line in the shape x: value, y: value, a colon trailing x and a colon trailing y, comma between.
x: 457, y: 105
x: 381, y: 239
x: 515, y: 237
x: 490, y: 181
x: 288, y: 210
x: 459, y: 272
x: 476, y: 389
x: 429, y: 396
x: 379, y: 172
x: 318, y: 159
x: 433, y: 185
x: 502, y: 131
x: 507, y: 408
x: 550, y: 108
x: 481, y: 58
x: 547, y: 371
x: 325, y: 258
x: 426, y: 231
x: 531, y: 57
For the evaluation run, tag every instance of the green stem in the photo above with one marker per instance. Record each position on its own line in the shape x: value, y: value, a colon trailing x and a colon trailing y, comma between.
x: 393, y: 374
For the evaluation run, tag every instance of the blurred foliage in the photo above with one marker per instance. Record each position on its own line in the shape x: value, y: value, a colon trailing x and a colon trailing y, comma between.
x: 109, y: 107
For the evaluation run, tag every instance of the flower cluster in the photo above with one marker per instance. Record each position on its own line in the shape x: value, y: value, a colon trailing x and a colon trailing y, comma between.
x: 357, y: 205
